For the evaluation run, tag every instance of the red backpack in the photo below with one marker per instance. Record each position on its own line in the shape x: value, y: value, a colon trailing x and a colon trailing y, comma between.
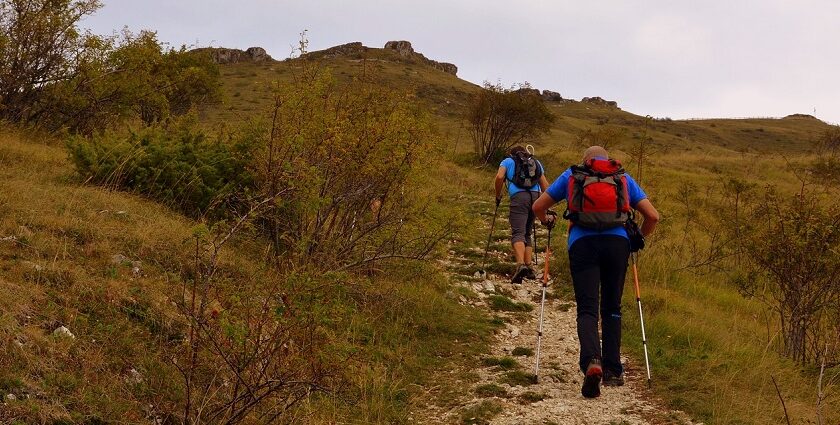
x: 597, y: 195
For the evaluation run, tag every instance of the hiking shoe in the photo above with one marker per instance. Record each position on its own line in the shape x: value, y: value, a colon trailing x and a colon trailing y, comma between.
x: 521, y: 272
x: 530, y: 274
x: 592, y: 381
x: 613, y: 380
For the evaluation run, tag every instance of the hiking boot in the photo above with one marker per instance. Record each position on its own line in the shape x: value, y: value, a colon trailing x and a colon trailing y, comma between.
x: 592, y: 381
x: 521, y: 272
x: 612, y: 379
x: 530, y: 274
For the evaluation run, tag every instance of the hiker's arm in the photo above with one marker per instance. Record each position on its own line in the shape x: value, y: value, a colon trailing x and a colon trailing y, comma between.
x: 543, y: 183
x: 500, y: 181
x: 541, y: 205
x: 650, y: 214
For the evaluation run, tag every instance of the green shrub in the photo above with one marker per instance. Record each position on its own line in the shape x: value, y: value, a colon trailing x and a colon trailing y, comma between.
x: 177, y: 164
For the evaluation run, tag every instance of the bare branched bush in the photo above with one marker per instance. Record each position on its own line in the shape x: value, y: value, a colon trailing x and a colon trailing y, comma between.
x: 500, y: 118
x: 351, y: 156
x: 250, y: 353
x: 607, y: 137
x: 794, y: 264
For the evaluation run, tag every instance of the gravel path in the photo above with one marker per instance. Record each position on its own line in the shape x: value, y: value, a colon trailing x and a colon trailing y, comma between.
x: 555, y: 398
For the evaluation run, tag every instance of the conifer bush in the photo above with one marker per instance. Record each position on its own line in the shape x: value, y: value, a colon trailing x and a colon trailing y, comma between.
x: 177, y: 164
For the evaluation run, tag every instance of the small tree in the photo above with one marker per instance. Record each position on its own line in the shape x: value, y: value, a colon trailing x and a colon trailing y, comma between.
x: 130, y: 76
x: 351, y: 156
x: 606, y: 137
x: 795, y: 268
x: 40, y: 44
x: 500, y: 118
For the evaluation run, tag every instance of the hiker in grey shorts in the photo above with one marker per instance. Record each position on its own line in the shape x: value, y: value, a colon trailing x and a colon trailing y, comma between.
x: 521, y: 167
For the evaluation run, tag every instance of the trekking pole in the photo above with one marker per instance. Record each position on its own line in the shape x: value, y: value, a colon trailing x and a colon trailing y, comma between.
x: 641, y: 318
x: 482, y: 272
x: 542, y: 304
x: 534, y: 228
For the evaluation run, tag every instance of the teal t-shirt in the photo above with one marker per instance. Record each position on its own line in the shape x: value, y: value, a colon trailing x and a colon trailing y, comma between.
x: 510, y: 167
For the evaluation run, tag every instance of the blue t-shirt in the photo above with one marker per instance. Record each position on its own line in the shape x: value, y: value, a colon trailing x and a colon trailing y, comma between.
x: 559, y: 191
x: 510, y: 167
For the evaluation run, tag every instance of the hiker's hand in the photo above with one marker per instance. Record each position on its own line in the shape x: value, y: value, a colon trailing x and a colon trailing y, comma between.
x: 550, y: 219
x: 498, y: 201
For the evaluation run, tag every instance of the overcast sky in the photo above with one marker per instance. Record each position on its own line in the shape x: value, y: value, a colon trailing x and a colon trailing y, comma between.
x: 674, y: 58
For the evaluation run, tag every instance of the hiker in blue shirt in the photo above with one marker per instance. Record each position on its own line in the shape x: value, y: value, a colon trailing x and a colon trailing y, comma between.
x: 599, y: 249
x: 521, y: 216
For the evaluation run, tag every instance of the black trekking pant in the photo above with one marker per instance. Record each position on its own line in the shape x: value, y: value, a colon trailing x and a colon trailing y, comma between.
x: 599, y: 262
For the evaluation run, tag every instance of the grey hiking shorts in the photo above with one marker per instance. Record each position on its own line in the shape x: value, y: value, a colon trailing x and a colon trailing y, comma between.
x: 521, y: 216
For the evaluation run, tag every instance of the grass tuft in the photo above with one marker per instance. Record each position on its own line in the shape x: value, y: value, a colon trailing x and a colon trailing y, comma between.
x: 491, y: 390
x: 523, y: 351
x: 503, y: 303
x: 519, y: 378
x: 482, y: 413
x: 504, y: 363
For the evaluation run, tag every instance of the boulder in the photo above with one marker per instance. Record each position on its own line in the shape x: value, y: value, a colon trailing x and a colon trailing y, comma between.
x: 258, y: 54
x: 446, y: 67
x: 598, y: 101
x: 528, y: 91
x: 551, y: 96
x: 402, y: 47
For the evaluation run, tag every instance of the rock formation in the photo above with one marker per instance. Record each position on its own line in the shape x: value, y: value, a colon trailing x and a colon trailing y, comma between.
x: 223, y: 55
x: 598, y: 101
x: 405, y: 50
x: 551, y: 96
x: 348, y: 49
x: 402, y: 47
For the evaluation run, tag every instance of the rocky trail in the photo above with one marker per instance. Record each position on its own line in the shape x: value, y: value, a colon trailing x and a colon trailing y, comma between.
x: 502, y: 389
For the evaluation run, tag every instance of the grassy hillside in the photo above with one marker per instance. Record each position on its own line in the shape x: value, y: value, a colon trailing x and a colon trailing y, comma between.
x: 109, y: 266
x: 713, y: 350
x: 67, y: 249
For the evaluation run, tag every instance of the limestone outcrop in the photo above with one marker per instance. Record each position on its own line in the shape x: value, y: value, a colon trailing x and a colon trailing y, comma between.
x: 598, y: 101
x: 348, y: 49
x: 551, y: 96
x: 222, y: 55
x: 405, y: 50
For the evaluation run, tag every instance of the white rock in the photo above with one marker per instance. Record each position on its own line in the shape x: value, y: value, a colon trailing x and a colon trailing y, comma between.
x: 11, y: 397
x: 64, y: 332
x: 513, y: 331
x: 134, y: 377
x: 119, y: 259
x: 488, y: 286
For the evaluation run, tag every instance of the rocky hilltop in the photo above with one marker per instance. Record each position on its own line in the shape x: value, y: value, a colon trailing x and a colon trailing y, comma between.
x: 404, y: 49
x: 401, y: 47
x: 222, y: 55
